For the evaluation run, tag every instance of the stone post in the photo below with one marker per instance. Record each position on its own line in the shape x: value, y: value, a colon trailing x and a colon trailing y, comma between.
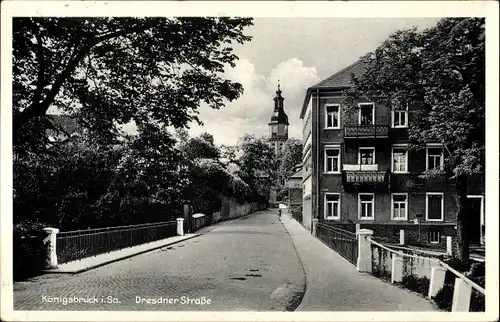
x: 401, y: 237
x: 364, y: 264
x: 187, y: 211
x: 314, y: 226
x: 180, y: 226
x: 449, y: 245
x: 50, y: 243
x: 461, y: 296
x: 438, y: 274
x: 397, y: 268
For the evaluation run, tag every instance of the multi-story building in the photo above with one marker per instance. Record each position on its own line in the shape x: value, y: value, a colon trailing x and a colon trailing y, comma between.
x: 357, y: 169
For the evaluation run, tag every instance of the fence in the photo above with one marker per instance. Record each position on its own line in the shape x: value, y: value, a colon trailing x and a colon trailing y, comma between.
x: 78, y: 244
x: 297, y: 214
x: 344, y: 242
x: 380, y: 260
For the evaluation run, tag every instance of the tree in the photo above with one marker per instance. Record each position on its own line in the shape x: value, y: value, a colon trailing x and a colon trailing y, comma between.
x: 442, y: 70
x: 201, y: 147
x: 110, y: 71
x: 257, y: 164
x: 288, y: 157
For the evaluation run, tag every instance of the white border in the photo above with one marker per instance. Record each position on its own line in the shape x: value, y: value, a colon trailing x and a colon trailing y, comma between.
x: 345, y: 9
x: 326, y: 117
x: 332, y: 147
x: 373, y: 112
x: 427, y: 194
x: 366, y: 148
x: 405, y: 218
x: 373, y: 206
x: 433, y: 145
x: 482, y: 219
x: 325, y: 204
x: 405, y: 145
x: 406, y: 119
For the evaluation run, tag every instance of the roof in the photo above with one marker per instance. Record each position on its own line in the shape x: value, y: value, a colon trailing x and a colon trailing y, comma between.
x: 340, y: 80
x: 279, y: 117
x: 297, y: 174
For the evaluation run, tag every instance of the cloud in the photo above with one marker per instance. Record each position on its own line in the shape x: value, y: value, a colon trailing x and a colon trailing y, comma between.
x: 252, y: 111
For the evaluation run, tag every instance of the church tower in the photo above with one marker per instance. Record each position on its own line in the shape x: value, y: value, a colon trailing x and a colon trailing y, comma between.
x: 278, y: 127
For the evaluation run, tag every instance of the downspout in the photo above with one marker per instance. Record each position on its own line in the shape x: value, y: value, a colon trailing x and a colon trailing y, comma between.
x: 318, y: 147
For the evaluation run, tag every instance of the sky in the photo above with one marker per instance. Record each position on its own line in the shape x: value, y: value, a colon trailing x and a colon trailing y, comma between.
x: 300, y: 52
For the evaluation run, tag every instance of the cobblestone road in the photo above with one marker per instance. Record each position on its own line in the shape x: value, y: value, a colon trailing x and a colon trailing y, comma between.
x: 244, y: 264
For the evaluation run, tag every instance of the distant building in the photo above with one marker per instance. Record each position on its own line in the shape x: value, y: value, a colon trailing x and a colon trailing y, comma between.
x: 66, y: 127
x: 294, y: 185
x: 278, y: 126
x: 278, y: 133
x: 358, y: 169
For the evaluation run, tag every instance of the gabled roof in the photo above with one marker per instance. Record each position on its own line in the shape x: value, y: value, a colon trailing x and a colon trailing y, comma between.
x: 340, y: 80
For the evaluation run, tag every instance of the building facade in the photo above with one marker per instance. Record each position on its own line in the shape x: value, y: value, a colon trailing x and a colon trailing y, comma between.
x: 294, y: 185
x: 358, y: 169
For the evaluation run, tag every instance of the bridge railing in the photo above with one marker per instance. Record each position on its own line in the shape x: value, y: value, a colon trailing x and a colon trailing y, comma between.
x: 78, y: 244
x: 378, y: 259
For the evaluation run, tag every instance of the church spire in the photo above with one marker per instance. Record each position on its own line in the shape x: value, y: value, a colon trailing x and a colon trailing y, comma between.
x: 278, y: 100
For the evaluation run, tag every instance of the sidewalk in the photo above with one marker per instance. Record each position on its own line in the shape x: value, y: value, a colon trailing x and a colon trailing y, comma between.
x: 333, y: 284
x: 87, y: 263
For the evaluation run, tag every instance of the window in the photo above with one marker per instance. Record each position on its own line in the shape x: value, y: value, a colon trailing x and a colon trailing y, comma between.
x: 366, y: 156
x: 434, y: 206
x: 435, y: 157
x: 366, y: 114
x: 434, y: 236
x: 400, y: 117
x: 332, y: 116
x: 399, y: 159
x: 332, y: 206
x: 365, y: 206
x: 332, y: 159
x: 399, y: 206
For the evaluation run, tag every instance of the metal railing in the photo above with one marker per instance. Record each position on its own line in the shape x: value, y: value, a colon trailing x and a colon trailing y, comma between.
x: 78, y: 244
x: 344, y: 242
x: 366, y: 177
x: 297, y: 215
x: 366, y: 131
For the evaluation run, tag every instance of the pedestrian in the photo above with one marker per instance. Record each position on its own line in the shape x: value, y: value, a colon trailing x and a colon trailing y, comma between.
x: 279, y: 213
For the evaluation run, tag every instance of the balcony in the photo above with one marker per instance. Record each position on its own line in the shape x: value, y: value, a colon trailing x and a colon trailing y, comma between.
x: 364, y: 175
x: 366, y: 131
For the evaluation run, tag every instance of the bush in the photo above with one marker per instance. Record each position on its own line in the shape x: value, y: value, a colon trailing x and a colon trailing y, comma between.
x: 416, y: 284
x: 29, y: 251
x: 477, y: 302
x: 382, y: 274
x: 444, y: 297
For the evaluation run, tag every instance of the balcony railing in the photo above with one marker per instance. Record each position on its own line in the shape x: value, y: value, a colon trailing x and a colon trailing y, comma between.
x: 366, y: 131
x: 364, y: 174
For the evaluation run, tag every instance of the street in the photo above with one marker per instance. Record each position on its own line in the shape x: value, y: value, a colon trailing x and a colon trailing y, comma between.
x: 244, y: 264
